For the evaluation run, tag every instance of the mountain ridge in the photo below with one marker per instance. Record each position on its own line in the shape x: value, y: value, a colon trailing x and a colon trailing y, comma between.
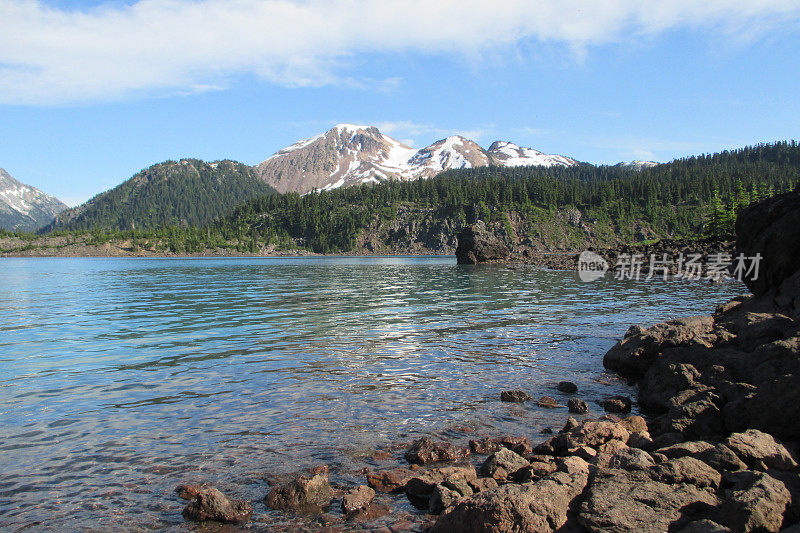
x: 24, y: 207
x: 350, y: 154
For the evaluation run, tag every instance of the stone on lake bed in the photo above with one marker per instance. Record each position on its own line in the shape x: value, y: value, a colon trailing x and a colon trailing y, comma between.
x: 547, y: 402
x: 578, y: 407
x: 357, y: 498
x: 567, y: 387
x: 515, y: 396
x: 208, y: 503
x: 616, y: 404
x: 307, y: 493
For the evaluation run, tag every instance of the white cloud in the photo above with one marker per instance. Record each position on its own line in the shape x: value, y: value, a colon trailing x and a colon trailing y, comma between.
x: 50, y: 55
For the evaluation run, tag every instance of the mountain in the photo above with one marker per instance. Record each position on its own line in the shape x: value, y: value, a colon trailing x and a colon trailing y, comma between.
x: 506, y: 154
x: 23, y: 207
x: 638, y: 165
x: 186, y: 192
x: 348, y: 154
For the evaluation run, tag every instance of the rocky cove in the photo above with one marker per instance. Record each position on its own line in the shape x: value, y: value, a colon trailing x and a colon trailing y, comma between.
x: 715, y: 448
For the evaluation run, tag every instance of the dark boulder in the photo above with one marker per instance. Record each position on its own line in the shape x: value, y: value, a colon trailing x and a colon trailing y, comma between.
x: 578, y: 407
x: 771, y: 228
x: 476, y: 244
x: 515, y: 396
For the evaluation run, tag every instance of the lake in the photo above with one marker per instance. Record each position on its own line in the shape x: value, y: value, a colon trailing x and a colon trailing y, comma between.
x: 122, y: 378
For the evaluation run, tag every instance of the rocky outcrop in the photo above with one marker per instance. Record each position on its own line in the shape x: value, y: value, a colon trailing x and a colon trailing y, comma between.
x: 476, y: 244
x: 771, y: 228
x: 541, y: 506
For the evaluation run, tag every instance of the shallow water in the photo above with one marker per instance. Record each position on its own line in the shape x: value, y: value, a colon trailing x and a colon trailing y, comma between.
x: 121, y: 378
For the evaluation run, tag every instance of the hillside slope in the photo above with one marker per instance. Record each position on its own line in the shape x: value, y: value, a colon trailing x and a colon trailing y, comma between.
x: 188, y: 192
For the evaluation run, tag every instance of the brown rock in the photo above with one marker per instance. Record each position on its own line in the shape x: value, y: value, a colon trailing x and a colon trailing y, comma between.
x: 426, y: 450
x: 393, y: 480
x: 753, y: 445
x: 540, y: 506
x: 578, y: 407
x: 756, y: 503
x: 616, y: 404
x: 547, y: 402
x: 357, y: 498
x: 619, y: 500
x: 306, y: 494
x: 208, y: 503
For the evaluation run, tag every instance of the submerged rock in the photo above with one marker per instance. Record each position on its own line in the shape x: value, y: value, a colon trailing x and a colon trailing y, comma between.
x: 357, y: 498
x: 567, y: 387
x: 307, y: 494
x: 208, y: 503
x: 426, y: 450
x: 578, y: 407
x: 515, y: 396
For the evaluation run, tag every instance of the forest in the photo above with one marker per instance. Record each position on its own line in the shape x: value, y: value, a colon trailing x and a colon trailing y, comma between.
x: 694, y: 197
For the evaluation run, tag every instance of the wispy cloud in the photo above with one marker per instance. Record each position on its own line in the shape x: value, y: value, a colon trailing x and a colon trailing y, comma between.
x: 50, y: 55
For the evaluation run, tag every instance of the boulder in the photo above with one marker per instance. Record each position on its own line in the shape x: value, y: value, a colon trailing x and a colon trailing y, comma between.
x: 686, y: 470
x: 477, y: 244
x: 616, y: 404
x: 547, y: 402
x: 487, y: 445
x: 578, y: 407
x: 208, y: 503
x: 631, y: 459
x: 640, y: 348
x: 567, y: 387
x: 420, y: 487
x: 771, y: 228
x: 393, y: 480
x: 357, y: 498
x: 756, y: 503
x: 592, y: 433
x: 305, y: 494
x: 531, y: 507
x: 502, y: 464
x: 426, y: 450
x: 516, y: 396
x: 718, y: 456
x: 753, y: 445
x: 630, y: 501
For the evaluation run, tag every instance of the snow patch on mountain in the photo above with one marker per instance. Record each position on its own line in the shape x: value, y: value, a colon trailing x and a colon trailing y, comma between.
x: 350, y: 154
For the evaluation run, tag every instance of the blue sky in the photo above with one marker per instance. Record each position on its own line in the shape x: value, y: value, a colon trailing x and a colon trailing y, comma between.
x: 92, y: 92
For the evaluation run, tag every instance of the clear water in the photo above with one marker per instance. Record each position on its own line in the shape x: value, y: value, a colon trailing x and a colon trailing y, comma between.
x: 121, y: 378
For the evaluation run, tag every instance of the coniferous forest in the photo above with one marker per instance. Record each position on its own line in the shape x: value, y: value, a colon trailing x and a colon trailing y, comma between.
x: 194, y: 208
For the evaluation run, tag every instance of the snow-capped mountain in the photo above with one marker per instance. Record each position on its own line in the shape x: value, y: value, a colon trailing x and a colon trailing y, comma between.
x: 348, y: 154
x: 638, y: 165
x: 509, y: 154
x: 23, y: 207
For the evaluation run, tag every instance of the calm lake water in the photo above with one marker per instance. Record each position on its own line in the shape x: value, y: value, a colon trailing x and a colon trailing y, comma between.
x: 122, y: 378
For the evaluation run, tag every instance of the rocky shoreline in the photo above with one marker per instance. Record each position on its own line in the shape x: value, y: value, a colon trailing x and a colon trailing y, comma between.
x: 717, y: 452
